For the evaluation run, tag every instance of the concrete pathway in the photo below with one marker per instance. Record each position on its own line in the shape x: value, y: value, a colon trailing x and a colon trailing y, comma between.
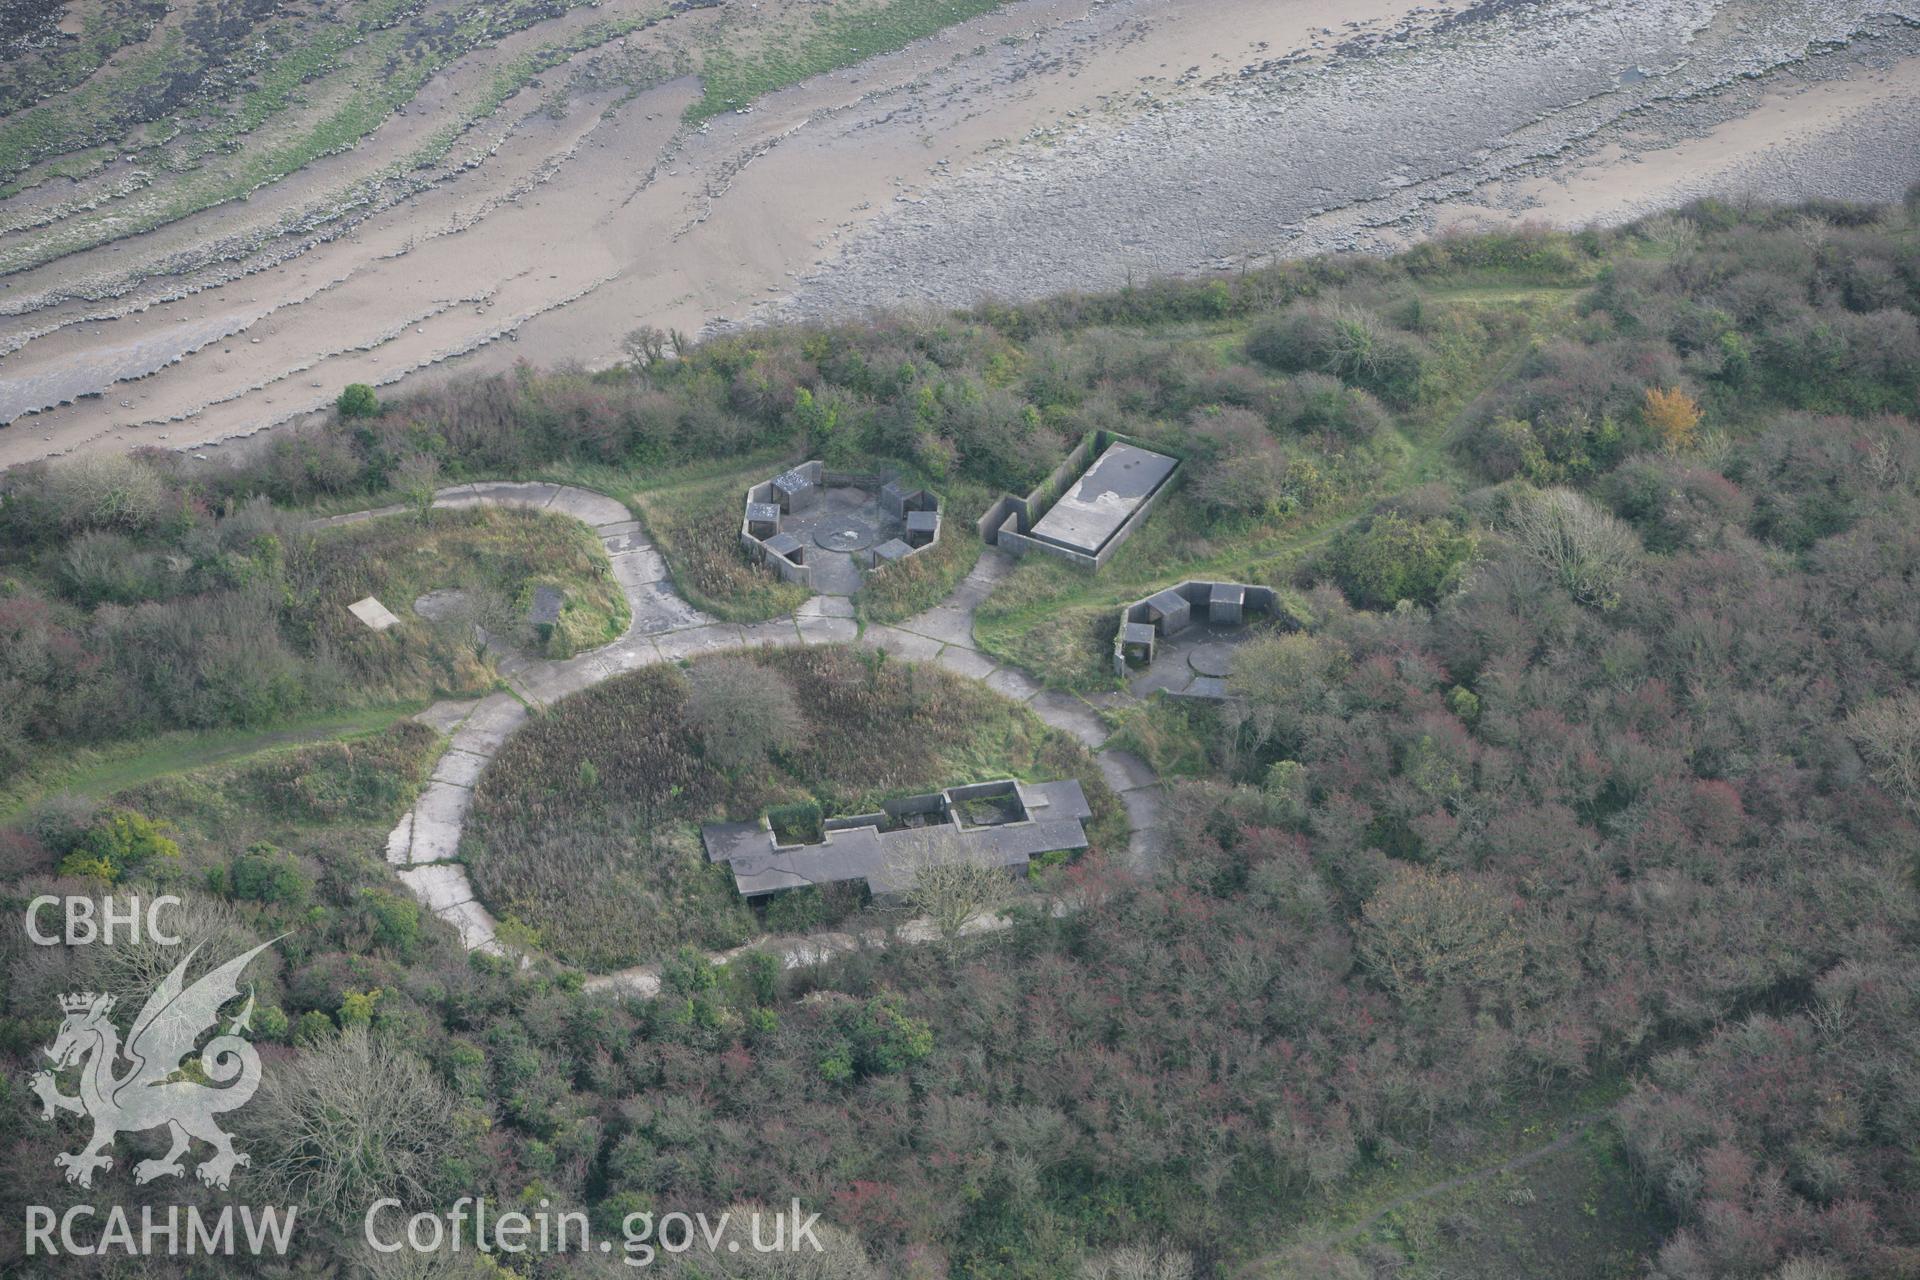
x: 424, y: 847
x: 944, y: 635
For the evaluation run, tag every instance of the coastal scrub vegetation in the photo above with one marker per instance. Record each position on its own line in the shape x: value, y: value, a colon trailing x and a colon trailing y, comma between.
x: 1579, y: 781
x: 130, y: 604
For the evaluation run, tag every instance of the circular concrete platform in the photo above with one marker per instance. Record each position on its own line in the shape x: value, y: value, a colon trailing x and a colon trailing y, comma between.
x: 1211, y: 659
x: 845, y: 534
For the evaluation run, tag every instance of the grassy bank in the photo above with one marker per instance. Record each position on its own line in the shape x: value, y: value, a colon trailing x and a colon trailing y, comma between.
x: 585, y: 829
x: 696, y: 526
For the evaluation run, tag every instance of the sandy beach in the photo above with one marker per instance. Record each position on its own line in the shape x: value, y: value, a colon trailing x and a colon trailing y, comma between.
x: 1051, y: 144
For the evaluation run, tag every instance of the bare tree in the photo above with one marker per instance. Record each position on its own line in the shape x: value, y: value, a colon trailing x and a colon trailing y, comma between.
x: 646, y: 345
x: 484, y: 616
x: 445, y: 1263
x: 1888, y: 732
x: 350, y: 1121
x: 107, y: 491
x: 1586, y: 550
x: 132, y: 968
x: 744, y: 711
x: 1675, y: 236
x: 1426, y: 931
x: 417, y: 478
x: 839, y: 1257
x: 952, y: 888
x: 1139, y: 1262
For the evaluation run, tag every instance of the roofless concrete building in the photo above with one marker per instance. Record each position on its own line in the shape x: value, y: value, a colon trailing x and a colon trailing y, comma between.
x: 1083, y: 521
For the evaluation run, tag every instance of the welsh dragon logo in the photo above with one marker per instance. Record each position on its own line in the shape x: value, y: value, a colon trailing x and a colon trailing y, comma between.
x: 155, y: 1089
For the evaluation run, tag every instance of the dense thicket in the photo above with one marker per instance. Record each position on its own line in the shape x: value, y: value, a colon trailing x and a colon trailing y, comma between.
x: 1625, y: 790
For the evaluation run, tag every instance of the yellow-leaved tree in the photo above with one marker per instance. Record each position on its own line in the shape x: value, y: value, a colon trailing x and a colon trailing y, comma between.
x: 1674, y: 416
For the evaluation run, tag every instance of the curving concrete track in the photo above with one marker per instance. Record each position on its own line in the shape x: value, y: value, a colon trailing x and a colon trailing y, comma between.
x: 424, y: 846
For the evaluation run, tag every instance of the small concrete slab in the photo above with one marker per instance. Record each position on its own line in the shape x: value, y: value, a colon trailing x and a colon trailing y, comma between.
x: 1147, y: 848
x: 778, y: 631
x: 967, y: 597
x: 461, y: 768
x: 400, y: 841
x: 834, y: 573
x: 455, y: 496
x: 629, y: 653
x: 950, y: 626
x: 641, y: 981
x: 352, y: 517
x: 440, y: 887
x: 1171, y: 675
x: 1009, y: 682
x: 437, y: 817
x: 1144, y: 807
x: 620, y: 529
x: 825, y: 607
x: 902, y: 644
x: 699, y: 640
x: 508, y: 662
x: 1211, y: 687
x: 828, y: 630
x: 1211, y: 659
x: 508, y: 493
x: 548, y: 682
x: 374, y: 615
x: 1125, y: 771
x: 657, y: 609
x: 445, y: 717
x: 588, y: 508
x: 475, y: 924
x: 991, y: 568
x: 638, y: 568
x: 546, y: 606
x: 492, y: 722
x: 438, y: 606
x: 1070, y: 715
x: 967, y: 662
x: 844, y: 533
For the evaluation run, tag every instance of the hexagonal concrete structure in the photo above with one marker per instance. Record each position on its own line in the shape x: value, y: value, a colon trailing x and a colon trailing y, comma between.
x: 822, y: 528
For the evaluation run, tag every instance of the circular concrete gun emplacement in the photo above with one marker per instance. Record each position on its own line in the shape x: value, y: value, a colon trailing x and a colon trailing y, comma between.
x: 826, y: 529
x: 846, y: 535
x: 1181, y: 640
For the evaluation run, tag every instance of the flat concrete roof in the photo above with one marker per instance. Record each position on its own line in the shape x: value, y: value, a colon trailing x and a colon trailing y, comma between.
x: 1056, y: 813
x: 1109, y: 491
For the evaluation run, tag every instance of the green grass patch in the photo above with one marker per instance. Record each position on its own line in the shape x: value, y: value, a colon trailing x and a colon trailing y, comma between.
x: 1573, y: 1214
x: 836, y: 36
x: 1412, y: 1196
x: 99, y: 772
x: 899, y: 590
x: 497, y: 556
x: 1173, y: 735
x: 696, y: 526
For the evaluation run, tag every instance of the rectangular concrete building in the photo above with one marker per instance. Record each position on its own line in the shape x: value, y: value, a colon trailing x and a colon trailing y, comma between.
x: 1088, y: 515
x: 1003, y: 824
